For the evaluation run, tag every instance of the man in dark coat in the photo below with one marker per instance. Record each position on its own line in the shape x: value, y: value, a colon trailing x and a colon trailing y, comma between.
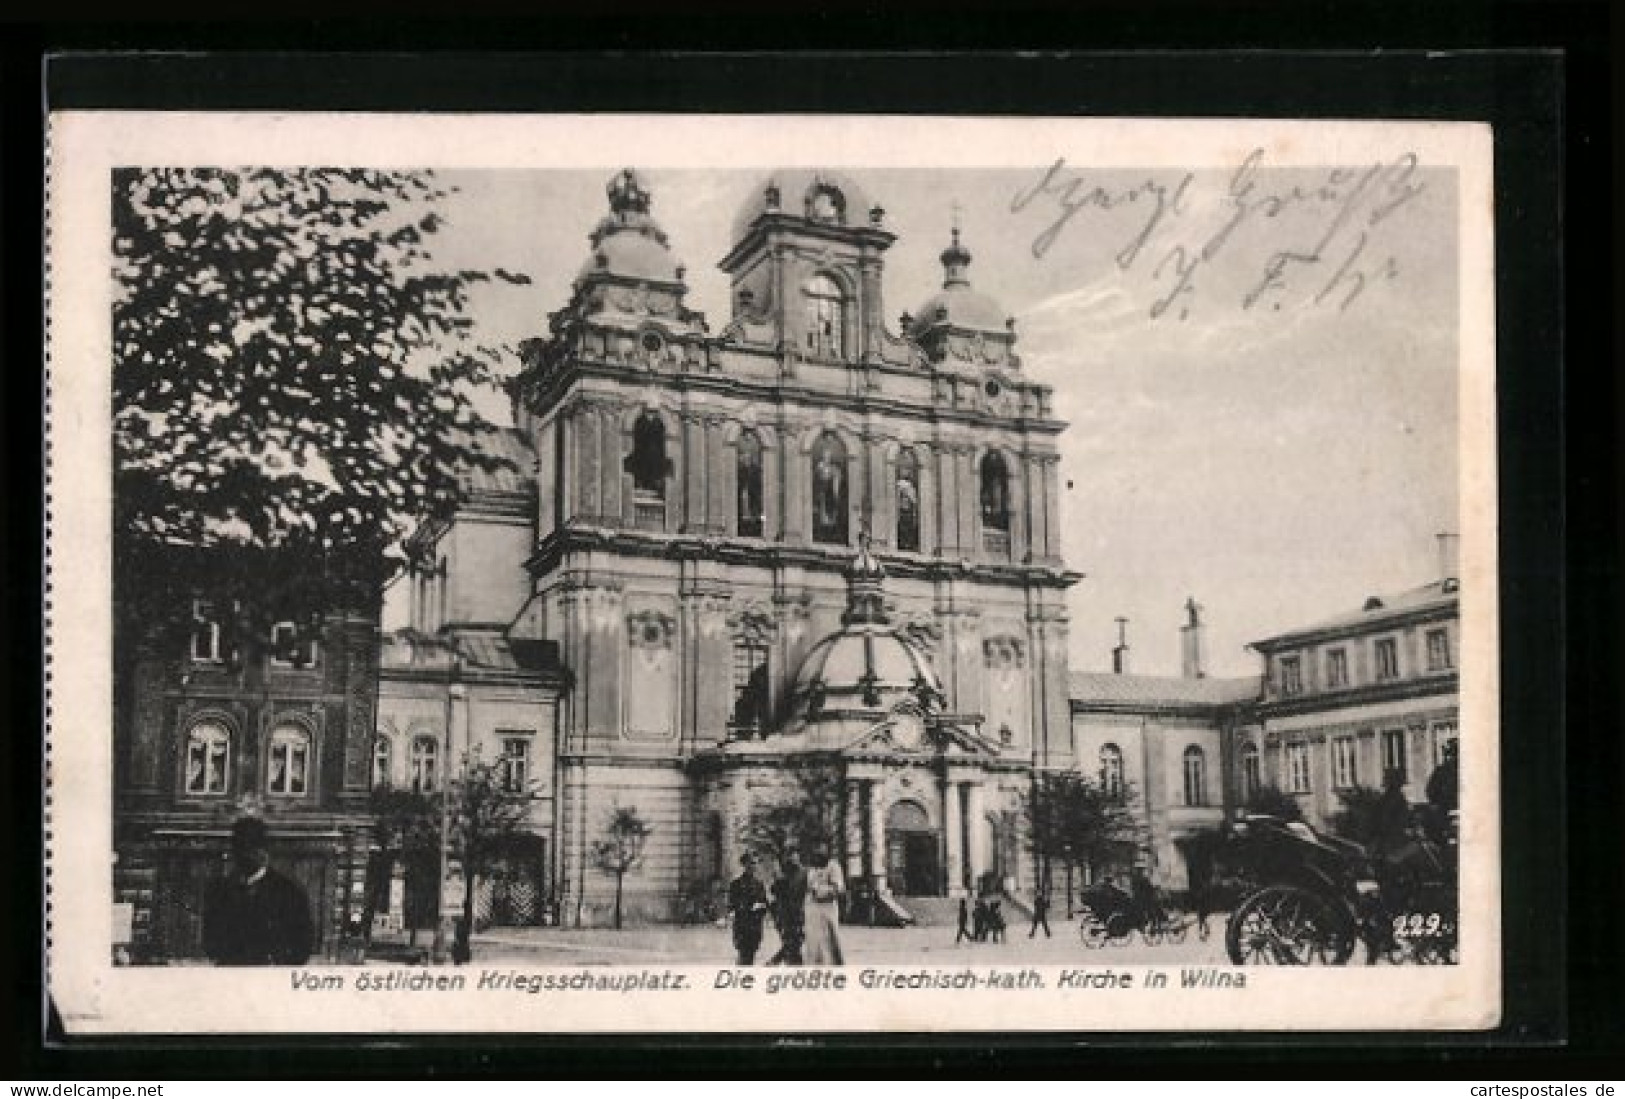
x: 256, y: 915
x: 1040, y: 913
x: 747, y: 904
x: 789, y: 902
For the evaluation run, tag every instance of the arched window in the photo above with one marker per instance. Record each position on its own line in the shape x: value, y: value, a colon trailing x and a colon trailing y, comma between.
x: 425, y: 764
x: 383, y: 761
x: 750, y: 685
x: 908, y: 501
x: 826, y: 317
x: 1195, y: 776
x: 1252, y: 777
x: 288, y: 772
x: 647, y: 463
x: 829, y: 490
x: 995, y: 503
x: 751, y: 518
x: 1111, y: 769
x: 208, y: 758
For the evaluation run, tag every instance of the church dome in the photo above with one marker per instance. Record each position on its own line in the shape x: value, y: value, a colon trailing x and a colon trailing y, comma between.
x: 813, y: 194
x: 958, y: 304
x: 628, y: 243
x: 867, y: 664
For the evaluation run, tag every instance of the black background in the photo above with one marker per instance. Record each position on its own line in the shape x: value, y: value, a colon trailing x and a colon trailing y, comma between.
x: 1540, y: 73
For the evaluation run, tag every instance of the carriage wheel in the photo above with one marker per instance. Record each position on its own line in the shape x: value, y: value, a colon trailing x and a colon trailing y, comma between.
x: 1288, y: 925
x: 1176, y: 932
x: 1091, y: 931
x: 1118, y: 929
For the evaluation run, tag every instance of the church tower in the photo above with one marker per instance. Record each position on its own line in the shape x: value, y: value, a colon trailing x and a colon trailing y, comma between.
x: 701, y: 498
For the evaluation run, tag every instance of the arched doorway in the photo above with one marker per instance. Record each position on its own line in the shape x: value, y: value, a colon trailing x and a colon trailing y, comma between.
x: 913, y: 852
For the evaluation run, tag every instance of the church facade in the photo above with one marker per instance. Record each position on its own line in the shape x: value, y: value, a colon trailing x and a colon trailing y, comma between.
x: 805, y: 544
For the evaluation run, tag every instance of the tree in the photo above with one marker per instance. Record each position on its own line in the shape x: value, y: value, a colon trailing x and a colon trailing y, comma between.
x: 1361, y: 817
x: 488, y: 819
x: 406, y: 830
x: 621, y: 849
x: 1272, y: 801
x: 795, y: 817
x: 294, y: 377
x: 1076, y: 821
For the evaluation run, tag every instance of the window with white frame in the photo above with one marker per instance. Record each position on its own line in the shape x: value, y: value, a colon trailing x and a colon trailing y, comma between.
x: 425, y: 764
x: 206, y: 634
x: 1444, y: 732
x: 1297, y: 768
x: 208, y: 758
x: 1291, y: 675
x: 826, y: 319
x: 293, y: 646
x: 1387, y: 659
x: 383, y: 761
x: 1252, y: 774
x: 1195, y: 768
x: 516, y: 762
x: 288, y: 769
x: 1337, y: 669
x: 1111, y: 769
x: 1345, y: 763
x: 1438, y: 650
x: 1394, y: 755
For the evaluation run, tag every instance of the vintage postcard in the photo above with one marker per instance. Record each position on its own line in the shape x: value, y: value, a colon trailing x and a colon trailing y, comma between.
x: 571, y: 574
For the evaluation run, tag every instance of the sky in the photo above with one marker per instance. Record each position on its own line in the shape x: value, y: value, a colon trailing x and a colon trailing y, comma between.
x: 1278, y: 448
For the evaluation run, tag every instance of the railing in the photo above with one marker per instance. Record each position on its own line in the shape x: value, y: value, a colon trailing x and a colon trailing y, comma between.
x: 648, y: 511
x: 996, y: 543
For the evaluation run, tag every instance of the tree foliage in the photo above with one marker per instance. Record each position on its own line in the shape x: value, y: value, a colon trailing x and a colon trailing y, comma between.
x: 1075, y: 821
x: 293, y: 371
x: 1272, y: 801
x: 799, y: 816
x: 621, y: 848
x: 1361, y: 817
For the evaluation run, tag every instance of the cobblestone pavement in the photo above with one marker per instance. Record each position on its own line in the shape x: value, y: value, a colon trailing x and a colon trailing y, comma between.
x: 862, y: 945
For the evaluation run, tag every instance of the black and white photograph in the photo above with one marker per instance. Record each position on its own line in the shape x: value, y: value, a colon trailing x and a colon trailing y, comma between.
x: 616, y: 573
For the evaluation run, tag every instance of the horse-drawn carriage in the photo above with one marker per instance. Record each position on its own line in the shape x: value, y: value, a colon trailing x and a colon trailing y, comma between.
x: 1111, y: 915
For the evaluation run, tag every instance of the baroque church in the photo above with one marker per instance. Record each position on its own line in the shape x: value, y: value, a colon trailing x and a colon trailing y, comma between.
x: 808, y: 544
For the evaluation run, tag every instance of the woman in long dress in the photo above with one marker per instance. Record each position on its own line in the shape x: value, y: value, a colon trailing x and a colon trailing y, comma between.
x: 825, y: 886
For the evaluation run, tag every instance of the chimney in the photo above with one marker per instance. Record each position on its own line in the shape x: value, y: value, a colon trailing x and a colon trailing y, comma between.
x: 1190, y: 641
x: 1120, y: 654
x: 1449, y: 544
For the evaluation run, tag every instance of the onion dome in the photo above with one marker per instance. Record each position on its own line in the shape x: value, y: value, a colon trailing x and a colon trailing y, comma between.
x: 957, y: 304
x: 815, y: 195
x: 866, y: 665
x: 627, y: 243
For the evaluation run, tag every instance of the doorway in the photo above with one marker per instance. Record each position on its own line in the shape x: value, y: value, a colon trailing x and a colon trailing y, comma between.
x: 913, y: 852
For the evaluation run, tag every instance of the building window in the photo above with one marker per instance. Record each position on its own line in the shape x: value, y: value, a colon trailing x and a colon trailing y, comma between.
x: 1195, y: 776
x: 205, y: 644
x: 750, y: 685
x: 995, y: 493
x: 1393, y: 755
x: 289, y: 770
x: 1387, y: 659
x: 515, y: 762
x: 383, y: 762
x: 425, y: 764
x: 829, y: 491
x: 1252, y: 778
x: 1444, y: 732
x: 1438, y: 650
x: 1337, y: 669
x: 1291, y: 675
x: 292, y: 647
x: 908, y: 501
x: 826, y: 318
x: 1297, y: 768
x: 647, y: 463
x: 1345, y: 766
x: 749, y: 472
x: 208, y: 758
x: 1111, y: 770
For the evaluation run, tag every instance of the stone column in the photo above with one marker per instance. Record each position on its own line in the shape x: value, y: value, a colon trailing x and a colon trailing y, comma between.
x: 793, y: 472
x: 981, y: 855
x: 881, y: 527
x: 569, y: 476
x: 954, y: 825
x: 614, y: 457
x: 969, y: 527
x: 1052, y: 532
x: 693, y: 473
x: 947, y: 487
x: 721, y: 491
x: 877, y: 833
x: 588, y: 463
x: 929, y: 529
x: 852, y: 829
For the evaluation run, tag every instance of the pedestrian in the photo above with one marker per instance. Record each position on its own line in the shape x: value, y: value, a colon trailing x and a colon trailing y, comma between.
x: 1040, y: 913
x: 789, y: 900
x: 825, y: 887
x: 979, y: 919
x: 995, y: 919
x: 964, y: 922
x: 747, y: 904
x: 256, y: 915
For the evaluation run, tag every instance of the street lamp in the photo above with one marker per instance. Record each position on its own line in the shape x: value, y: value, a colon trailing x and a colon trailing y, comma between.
x: 454, y: 691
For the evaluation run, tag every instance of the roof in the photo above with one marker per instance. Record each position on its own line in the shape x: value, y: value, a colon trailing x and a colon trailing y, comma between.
x: 1379, y: 609
x: 430, y: 655
x: 796, y: 187
x: 961, y: 307
x: 1109, y: 688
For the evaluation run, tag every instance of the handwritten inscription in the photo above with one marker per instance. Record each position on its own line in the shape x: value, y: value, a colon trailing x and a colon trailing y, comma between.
x: 1322, y: 238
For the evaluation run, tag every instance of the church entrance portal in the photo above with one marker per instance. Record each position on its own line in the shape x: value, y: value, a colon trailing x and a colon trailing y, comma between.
x: 913, y: 852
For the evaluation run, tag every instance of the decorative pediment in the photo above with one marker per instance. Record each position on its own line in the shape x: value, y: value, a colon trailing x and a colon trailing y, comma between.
x: 754, y: 624
x: 908, y: 732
